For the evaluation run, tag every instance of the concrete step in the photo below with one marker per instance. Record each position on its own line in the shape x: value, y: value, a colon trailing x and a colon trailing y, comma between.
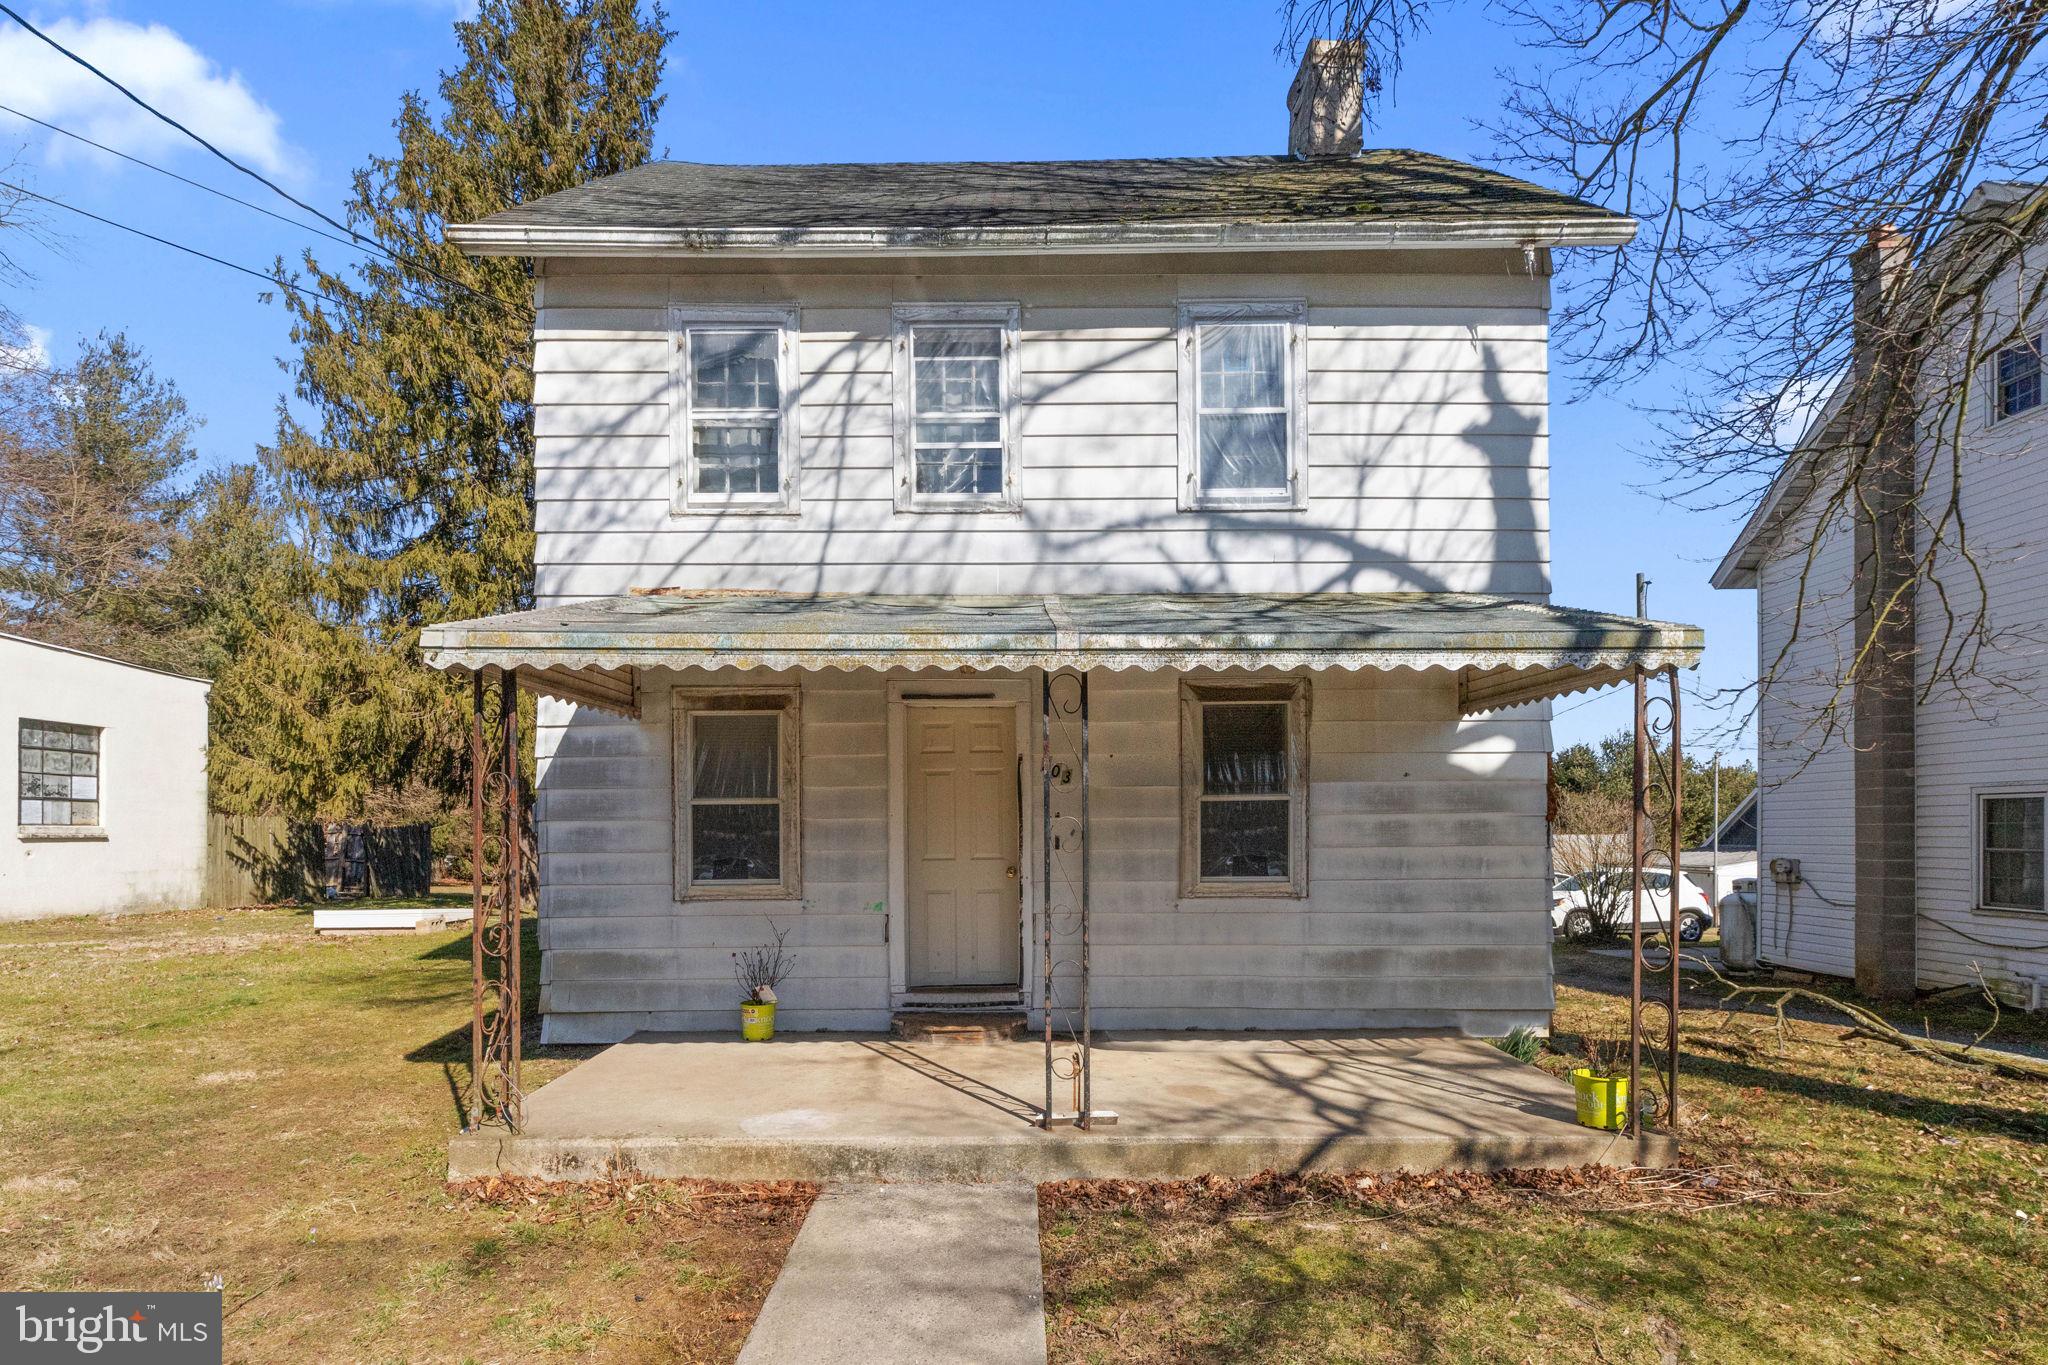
x: 979, y: 1029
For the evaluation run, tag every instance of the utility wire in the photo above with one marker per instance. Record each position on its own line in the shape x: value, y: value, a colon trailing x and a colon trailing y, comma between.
x: 416, y: 292
x: 253, y: 174
x: 187, y: 180
x: 267, y: 278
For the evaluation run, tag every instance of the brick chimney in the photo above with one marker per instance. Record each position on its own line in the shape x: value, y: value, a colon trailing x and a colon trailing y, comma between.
x: 1883, y: 705
x: 1326, y: 103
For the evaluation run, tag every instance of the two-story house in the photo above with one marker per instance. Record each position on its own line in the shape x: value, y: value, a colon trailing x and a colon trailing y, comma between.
x: 925, y: 551
x: 1901, y: 832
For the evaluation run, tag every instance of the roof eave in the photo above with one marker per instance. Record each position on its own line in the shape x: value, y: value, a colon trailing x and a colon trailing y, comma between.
x: 490, y: 239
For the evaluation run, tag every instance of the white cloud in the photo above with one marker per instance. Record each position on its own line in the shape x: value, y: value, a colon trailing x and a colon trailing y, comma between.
x: 156, y: 64
x: 31, y: 353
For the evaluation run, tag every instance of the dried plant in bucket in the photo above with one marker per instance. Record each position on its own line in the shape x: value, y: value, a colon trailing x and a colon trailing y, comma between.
x: 759, y: 971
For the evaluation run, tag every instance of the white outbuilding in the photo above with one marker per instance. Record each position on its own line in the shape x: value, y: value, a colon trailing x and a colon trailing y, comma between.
x: 107, y: 761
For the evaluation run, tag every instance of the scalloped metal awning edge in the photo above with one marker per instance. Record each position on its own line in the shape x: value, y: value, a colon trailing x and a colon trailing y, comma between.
x: 1505, y: 651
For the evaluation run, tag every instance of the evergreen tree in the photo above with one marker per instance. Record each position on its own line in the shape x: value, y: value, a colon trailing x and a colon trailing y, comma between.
x: 410, y: 480
x: 1606, y: 770
x: 92, y: 462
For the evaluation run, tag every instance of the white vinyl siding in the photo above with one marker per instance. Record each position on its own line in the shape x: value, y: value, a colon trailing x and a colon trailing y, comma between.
x: 1805, y: 756
x: 1426, y: 434
x: 1426, y: 853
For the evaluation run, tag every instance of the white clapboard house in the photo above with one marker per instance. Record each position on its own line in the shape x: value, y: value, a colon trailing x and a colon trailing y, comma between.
x: 1901, y: 832
x: 848, y: 476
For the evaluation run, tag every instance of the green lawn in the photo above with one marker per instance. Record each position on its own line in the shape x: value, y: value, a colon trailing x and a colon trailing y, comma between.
x: 1910, y: 1228
x: 205, y: 1093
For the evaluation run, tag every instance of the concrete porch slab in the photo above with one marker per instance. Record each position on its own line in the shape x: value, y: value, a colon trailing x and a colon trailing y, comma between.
x: 858, y: 1108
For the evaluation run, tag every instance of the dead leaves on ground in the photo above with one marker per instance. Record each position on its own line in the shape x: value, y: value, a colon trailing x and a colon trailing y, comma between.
x: 753, y: 1203
x: 1591, y: 1189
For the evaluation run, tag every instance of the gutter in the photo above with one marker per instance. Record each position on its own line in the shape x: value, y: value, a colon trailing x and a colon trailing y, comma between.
x: 489, y: 239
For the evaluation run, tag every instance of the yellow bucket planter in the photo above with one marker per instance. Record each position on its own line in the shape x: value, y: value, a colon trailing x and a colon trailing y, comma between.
x: 757, y: 1022
x: 1603, y: 1100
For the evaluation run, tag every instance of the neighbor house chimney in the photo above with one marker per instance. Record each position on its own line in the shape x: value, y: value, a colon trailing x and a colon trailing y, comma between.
x: 1883, y: 704
x: 1326, y: 103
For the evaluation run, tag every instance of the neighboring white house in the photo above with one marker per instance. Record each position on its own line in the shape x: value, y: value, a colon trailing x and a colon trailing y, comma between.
x: 107, y: 762
x: 1952, y: 792
x: 837, y: 465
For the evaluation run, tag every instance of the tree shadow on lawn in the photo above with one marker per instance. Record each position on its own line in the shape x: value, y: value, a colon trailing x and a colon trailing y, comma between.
x: 2022, y: 1125
x: 1421, y: 1290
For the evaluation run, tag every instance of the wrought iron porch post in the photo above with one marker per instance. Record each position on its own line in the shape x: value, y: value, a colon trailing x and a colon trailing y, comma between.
x: 1638, y: 839
x: 1065, y: 888
x: 497, y: 822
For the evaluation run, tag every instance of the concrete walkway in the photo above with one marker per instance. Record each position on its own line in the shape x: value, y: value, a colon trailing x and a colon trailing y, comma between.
x: 909, y: 1273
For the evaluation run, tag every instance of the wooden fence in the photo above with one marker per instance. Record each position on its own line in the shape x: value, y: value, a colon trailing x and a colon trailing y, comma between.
x: 267, y: 859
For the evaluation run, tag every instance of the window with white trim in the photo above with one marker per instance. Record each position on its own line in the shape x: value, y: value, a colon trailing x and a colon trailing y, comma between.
x: 733, y: 409
x: 1244, y: 789
x: 2016, y: 378
x: 1243, y: 405
x: 737, y: 789
x: 59, y: 782
x: 2012, y: 836
x: 956, y: 397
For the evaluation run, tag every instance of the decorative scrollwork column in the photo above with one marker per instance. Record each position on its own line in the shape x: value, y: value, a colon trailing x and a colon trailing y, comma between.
x: 497, y: 884
x: 1063, y: 915
x: 1657, y: 719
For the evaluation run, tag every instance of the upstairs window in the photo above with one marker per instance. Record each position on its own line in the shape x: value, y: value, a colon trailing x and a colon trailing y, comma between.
x: 1242, y: 406
x: 1244, y: 789
x: 59, y: 785
x: 956, y: 391
x: 2017, y: 377
x: 737, y: 788
x: 2014, y: 846
x: 733, y: 405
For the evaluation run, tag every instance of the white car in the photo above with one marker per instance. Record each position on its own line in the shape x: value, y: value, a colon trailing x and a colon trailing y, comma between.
x: 1570, y: 915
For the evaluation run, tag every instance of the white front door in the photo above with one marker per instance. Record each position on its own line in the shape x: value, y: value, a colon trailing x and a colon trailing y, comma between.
x: 962, y: 847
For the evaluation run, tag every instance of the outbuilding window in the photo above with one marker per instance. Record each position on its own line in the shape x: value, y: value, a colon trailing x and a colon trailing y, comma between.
x: 2013, y: 841
x: 733, y: 406
x: 2016, y: 375
x: 956, y: 415
x: 737, y: 791
x: 59, y: 785
x: 1243, y: 406
x: 1244, y: 789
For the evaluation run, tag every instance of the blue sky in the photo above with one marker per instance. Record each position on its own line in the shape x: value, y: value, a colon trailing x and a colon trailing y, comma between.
x: 307, y: 90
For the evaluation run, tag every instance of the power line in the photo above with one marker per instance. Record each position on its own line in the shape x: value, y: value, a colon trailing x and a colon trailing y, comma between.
x: 187, y: 180
x: 253, y: 174
x: 268, y: 279
x: 418, y: 294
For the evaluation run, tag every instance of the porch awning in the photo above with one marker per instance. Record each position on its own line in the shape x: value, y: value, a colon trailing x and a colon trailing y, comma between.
x: 1504, y: 651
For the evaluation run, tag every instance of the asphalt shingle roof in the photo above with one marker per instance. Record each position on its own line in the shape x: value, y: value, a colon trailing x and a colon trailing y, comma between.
x: 1382, y: 186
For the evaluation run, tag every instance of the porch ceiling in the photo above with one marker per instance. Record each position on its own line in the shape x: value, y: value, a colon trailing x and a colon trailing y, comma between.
x: 1504, y: 651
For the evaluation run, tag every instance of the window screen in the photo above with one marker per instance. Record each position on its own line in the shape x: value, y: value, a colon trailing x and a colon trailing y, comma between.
x: 736, y: 796
x: 735, y: 412
x: 2015, y: 847
x: 1245, y: 799
x: 1241, y: 407
x: 60, y: 774
x: 957, y: 421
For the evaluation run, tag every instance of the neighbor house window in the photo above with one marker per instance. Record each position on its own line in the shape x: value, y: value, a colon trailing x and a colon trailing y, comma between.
x: 956, y: 394
x: 1243, y: 415
x: 2014, y: 840
x: 60, y: 775
x: 1244, y: 789
x: 2016, y: 376
x: 736, y: 795
x: 733, y: 406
